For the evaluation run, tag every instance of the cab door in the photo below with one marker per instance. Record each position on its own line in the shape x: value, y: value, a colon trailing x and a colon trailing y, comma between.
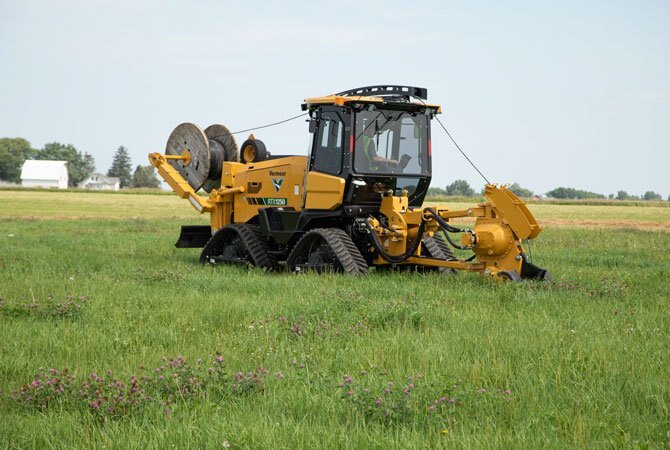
x: 328, y: 144
x: 324, y: 185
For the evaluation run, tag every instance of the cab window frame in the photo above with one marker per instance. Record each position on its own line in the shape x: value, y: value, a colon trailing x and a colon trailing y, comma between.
x: 320, y: 159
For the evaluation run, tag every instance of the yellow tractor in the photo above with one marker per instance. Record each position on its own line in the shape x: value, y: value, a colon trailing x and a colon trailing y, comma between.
x: 354, y: 203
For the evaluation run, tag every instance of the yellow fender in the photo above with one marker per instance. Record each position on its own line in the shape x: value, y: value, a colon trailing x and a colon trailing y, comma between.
x: 513, y: 210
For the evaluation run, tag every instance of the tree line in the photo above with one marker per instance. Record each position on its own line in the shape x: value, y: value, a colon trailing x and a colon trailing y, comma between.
x: 15, y: 151
x: 461, y: 188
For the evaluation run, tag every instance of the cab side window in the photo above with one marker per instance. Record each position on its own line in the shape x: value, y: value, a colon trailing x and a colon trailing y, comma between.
x: 328, y: 145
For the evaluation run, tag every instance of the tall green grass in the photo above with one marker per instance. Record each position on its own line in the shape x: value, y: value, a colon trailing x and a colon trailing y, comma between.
x: 585, y: 358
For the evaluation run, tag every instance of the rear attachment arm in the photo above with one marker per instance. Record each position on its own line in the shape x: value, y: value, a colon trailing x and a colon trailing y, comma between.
x: 495, y: 239
x: 178, y: 184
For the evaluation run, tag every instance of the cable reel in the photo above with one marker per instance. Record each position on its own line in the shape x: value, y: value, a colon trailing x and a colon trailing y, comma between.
x: 202, y: 153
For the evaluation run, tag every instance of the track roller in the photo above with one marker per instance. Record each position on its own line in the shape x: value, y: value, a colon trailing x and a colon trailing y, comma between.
x: 239, y: 244
x: 326, y: 250
x: 438, y: 249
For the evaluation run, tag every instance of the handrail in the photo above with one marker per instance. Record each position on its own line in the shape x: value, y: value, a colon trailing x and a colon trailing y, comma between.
x: 385, y: 90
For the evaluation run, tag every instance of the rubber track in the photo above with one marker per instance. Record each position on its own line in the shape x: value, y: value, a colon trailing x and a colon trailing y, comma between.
x: 254, y: 243
x: 340, y: 243
x: 439, y: 249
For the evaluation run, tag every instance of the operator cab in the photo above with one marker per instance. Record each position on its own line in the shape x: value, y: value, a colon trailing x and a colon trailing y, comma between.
x: 377, y: 139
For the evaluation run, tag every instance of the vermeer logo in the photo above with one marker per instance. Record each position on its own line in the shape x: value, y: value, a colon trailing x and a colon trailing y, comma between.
x: 277, y: 182
x: 277, y: 178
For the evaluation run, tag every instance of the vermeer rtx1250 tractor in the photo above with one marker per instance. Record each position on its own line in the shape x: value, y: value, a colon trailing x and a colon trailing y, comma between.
x: 355, y: 202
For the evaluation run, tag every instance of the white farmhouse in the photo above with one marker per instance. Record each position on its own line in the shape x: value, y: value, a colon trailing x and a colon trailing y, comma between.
x: 45, y: 174
x: 101, y: 182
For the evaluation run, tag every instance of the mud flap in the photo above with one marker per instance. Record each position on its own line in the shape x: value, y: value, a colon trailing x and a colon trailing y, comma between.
x: 194, y: 236
x: 531, y: 271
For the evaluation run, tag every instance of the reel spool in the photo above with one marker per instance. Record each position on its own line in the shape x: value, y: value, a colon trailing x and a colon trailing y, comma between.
x: 223, y: 148
x: 207, y: 149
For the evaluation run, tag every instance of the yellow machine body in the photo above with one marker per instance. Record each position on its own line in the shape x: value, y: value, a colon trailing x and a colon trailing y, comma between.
x: 273, y: 183
x: 246, y: 188
x: 302, y: 215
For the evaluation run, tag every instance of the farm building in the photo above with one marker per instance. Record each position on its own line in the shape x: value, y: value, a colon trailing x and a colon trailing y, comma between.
x: 46, y: 174
x: 101, y: 182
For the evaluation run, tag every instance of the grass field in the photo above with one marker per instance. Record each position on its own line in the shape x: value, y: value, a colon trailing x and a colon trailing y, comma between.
x: 29, y: 204
x: 92, y: 283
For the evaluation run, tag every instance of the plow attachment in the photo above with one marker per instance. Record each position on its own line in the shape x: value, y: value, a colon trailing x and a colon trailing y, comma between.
x: 194, y: 236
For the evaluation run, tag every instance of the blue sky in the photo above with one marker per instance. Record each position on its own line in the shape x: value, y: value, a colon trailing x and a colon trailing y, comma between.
x: 546, y: 94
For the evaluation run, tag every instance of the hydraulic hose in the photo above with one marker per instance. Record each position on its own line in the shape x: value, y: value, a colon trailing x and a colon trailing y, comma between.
x: 443, y: 223
x: 400, y: 258
x: 451, y: 229
x: 445, y: 227
x: 451, y: 242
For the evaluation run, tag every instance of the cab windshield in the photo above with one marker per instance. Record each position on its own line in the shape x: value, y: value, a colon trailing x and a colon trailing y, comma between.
x: 391, y: 142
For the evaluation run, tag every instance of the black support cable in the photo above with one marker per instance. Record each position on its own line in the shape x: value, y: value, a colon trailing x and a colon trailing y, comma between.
x: 456, y: 144
x: 262, y: 126
x: 461, y: 150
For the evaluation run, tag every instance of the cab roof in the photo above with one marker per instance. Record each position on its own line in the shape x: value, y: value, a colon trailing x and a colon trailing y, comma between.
x: 393, y: 96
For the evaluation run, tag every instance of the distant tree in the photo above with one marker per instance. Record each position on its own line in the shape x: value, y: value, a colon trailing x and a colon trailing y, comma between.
x: 651, y: 195
x: 121, y: 167
x: 571, y: 193
x: 436, y: 191
x: 623, y: 195
x: 519, y: 191
x: 561, y: 192
x: 610, y: 196
x: 13, y: 153
x: 460, y: 187
x: 79, y: 166
x: 145, y: 177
